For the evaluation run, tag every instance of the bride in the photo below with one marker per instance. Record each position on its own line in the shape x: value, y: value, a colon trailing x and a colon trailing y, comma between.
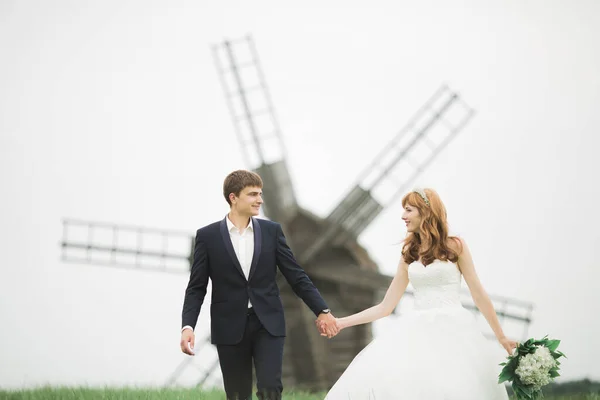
x: 436, y: 352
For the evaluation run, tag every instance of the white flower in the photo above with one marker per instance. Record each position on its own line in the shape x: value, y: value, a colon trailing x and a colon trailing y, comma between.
x: 534, y: 369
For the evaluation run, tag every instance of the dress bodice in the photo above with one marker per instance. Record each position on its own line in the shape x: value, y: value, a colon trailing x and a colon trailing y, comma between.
x: 437, y: 285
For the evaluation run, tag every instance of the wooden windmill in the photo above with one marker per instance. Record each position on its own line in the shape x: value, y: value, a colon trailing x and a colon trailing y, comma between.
x: 327, y: 248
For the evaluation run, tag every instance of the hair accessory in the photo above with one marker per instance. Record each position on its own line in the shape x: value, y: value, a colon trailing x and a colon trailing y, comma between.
x: 421, y: 192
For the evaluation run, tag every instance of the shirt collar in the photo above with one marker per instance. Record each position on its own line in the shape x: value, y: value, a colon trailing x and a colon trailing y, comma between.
x: 231, y: 226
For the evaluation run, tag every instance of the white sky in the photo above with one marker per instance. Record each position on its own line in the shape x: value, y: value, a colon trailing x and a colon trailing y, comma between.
x: 113, y: 111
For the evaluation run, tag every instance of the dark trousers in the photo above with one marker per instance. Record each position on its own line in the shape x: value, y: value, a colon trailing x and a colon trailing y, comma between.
x: 236, y: 363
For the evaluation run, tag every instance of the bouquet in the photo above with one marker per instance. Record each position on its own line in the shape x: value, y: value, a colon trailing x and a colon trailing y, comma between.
x: 533, y: 364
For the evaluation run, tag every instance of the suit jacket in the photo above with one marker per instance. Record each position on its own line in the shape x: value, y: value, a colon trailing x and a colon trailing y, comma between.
x: 215, y: 259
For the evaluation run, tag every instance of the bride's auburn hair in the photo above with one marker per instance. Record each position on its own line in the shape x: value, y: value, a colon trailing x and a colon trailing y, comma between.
x: 432, y: 241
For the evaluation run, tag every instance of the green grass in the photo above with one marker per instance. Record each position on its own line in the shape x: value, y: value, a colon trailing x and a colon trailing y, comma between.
x: 51, y: 393
x: 573, y: 397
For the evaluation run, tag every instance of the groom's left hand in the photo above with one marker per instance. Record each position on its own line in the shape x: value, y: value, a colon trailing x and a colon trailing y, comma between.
x: 327, y: 325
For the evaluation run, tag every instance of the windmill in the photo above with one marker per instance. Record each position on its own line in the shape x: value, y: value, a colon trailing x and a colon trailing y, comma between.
x: 327, y: 248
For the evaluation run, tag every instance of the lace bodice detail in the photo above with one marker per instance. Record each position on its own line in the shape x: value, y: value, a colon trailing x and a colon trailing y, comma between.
x: 437, y: 285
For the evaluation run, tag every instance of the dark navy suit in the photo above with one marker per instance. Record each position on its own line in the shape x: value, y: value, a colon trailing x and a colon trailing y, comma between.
x: 243, y: 335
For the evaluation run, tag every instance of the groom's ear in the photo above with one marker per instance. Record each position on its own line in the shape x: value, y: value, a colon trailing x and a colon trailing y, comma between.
x: 231, y: 198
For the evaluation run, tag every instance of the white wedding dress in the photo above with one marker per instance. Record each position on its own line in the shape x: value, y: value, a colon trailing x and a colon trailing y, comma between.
x: 435, y: 352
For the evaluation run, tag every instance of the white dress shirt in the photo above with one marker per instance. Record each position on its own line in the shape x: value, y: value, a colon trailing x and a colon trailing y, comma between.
x: 243, y: 245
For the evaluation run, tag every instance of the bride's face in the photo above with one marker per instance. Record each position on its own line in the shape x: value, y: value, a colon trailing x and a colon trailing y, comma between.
x: 412, y: 218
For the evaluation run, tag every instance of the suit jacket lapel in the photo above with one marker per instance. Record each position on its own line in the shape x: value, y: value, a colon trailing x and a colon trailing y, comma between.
x: 257, y: 246
x: 229, y: 247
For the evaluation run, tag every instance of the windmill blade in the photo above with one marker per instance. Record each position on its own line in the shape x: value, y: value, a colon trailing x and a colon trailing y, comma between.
x: 127, y: 246
x: 403, y: 159
x: 255, y: 123
x: 204, y: 352
x: 395, y: 168
x: 138, y: 248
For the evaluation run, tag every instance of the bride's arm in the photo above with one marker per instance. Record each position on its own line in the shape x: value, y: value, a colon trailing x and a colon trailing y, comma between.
x: 480, y: 297
x: 387, y: 305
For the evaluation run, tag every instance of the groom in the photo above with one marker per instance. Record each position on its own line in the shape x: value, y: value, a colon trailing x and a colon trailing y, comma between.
x: 240, y: 254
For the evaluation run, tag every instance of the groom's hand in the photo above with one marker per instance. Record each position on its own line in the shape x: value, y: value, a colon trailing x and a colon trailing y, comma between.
x: 187, y: 341
x: 327, y: 325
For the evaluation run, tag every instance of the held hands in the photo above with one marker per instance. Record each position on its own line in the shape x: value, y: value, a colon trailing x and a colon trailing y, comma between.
x: 187, y: 342
x: 508, y: 344
x: 328, y: 325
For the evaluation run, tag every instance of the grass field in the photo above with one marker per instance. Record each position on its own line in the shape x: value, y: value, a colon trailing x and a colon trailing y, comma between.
x: 130, y: 394
x: 170, y: 394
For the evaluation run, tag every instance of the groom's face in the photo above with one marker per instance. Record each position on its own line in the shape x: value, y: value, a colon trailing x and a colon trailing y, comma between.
x: 249, y: 201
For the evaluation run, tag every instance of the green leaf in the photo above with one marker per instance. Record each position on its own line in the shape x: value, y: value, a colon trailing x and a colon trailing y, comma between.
x: 527, y: 349
x: 552, y: 344
x: 504, y: 376
x: 521, y: 393
x: 557, y: 354
x: 553, y: 373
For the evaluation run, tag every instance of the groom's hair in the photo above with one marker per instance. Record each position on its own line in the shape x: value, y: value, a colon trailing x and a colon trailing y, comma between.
x: 236, y: 181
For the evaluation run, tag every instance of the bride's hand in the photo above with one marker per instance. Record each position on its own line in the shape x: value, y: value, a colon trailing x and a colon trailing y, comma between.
x: 338, y: 324
x: 508, y: 345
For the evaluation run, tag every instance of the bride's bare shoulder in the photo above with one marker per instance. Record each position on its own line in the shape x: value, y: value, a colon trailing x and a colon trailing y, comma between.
x: 456, y: 244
